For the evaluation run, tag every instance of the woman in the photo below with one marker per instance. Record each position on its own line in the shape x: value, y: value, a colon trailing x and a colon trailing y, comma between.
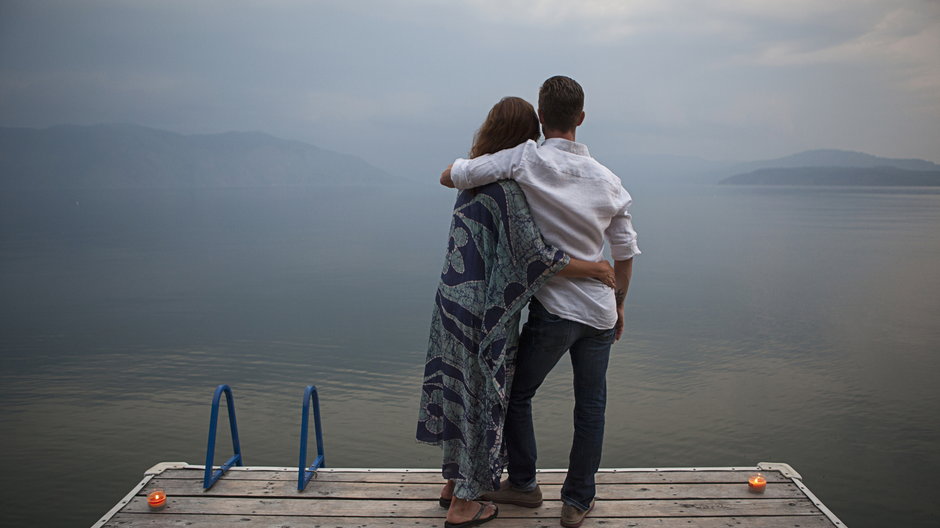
x: 496, y: 261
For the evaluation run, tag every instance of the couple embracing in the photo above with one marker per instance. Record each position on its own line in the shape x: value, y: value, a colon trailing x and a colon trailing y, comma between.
x: 529, y: 227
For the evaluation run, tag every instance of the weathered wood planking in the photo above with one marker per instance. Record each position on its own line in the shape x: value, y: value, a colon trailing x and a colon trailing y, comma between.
x: 267, y: 521
x: 410, y: 508
x: 267, y: 497
x: 421, y: 491
x: 544, y: 477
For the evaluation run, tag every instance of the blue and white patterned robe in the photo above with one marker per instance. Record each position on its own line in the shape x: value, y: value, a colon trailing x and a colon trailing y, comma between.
x: 496, y: 260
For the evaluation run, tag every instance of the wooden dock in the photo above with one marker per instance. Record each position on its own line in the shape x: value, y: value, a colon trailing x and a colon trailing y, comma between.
x: 267, y: 497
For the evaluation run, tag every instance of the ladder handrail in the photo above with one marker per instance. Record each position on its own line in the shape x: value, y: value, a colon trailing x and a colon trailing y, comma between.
x: 211, y: 476
x: 304, y: 474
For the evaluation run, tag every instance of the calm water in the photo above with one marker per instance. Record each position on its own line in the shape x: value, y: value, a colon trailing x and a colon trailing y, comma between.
x: 793, y: 324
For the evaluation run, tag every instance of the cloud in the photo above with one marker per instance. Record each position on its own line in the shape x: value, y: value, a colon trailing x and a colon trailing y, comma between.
x: 718, y: 78
x: 900, y: 35
x: 899, y: 48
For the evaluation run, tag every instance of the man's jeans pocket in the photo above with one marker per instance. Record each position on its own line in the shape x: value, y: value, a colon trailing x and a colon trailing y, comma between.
x: 539, y: 311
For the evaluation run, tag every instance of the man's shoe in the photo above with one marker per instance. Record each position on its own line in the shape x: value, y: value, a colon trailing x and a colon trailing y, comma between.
x: 506, y: 494
x: 572, y: 516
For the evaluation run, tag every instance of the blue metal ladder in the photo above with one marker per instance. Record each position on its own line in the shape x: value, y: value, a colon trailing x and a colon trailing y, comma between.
x: 211, y: 477
x: 304, y: 476
x: 304, y: 473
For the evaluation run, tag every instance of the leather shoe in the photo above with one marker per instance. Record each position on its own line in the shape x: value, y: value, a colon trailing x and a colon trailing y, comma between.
x: 507, y: 494
x: 572, y: 516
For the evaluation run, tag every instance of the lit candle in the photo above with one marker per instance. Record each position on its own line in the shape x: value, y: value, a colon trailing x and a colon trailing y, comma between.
x: 157, y: 500
x: 757, y: 483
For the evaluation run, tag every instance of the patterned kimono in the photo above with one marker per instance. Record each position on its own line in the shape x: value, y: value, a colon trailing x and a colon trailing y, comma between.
x: 496, y: 260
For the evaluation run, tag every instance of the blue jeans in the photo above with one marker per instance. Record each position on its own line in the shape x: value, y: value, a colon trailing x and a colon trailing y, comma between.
x: 545, y: 339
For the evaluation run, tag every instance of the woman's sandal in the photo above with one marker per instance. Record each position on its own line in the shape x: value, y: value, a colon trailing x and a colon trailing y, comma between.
x: 476, y: 521
x: 444, y: 502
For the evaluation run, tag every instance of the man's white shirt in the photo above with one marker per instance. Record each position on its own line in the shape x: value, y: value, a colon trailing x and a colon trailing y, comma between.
x: 577, y: 204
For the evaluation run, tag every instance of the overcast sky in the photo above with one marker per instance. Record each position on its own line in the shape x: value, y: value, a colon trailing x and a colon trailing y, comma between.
x: 405, y: 83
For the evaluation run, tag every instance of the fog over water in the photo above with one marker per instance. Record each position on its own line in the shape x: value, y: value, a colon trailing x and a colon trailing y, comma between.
x: 764, y: 324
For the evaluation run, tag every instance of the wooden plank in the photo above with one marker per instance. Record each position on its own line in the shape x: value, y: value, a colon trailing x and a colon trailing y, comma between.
x: 603, y: 477
x: 420, y: 491
x: 412, y: 508
x: 265, y: 521
x: 388, y: 498
x: 285, y: 489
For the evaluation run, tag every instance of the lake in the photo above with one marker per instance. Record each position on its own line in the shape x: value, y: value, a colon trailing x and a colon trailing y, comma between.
x: 783, y: 324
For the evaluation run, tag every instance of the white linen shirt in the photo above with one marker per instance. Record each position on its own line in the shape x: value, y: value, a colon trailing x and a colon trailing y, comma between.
x: 577, y: 203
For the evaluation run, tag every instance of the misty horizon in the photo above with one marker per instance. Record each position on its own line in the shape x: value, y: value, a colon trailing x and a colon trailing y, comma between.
x: 404, y: 84
x: 134, y: 156
x: 819, y: 148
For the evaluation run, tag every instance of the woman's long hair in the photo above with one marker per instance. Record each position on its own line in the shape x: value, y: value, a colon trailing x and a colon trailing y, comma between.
x: 511, y: 121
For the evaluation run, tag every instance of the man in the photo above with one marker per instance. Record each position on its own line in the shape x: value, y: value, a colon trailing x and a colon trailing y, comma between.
x: 577, y: 204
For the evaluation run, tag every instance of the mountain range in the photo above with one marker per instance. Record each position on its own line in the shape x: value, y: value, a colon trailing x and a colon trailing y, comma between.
x: 835, y: 167
x: 131, y: 156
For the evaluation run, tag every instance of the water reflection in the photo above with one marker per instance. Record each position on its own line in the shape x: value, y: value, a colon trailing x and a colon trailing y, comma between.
x: 794, y: 325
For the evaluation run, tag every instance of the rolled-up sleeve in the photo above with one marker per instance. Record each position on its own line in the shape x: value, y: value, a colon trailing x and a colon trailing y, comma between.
x: 620, y: 233
x: 482, y: 170
x: 458, y: 173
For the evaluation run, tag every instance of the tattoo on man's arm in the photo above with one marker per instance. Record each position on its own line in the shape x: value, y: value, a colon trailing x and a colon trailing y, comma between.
x: 620, y: 295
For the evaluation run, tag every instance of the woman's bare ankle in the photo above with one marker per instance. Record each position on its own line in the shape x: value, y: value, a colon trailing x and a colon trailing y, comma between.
x: 462, y: 510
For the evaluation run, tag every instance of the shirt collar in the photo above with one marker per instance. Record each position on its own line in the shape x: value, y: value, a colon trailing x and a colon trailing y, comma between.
x: 568, y: 146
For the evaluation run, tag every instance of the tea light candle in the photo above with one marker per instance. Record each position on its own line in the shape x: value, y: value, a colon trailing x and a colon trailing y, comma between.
x: 757, y: 483
x: 157, y: 500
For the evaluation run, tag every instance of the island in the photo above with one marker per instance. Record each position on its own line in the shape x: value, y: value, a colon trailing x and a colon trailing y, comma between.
x: 837, y: 176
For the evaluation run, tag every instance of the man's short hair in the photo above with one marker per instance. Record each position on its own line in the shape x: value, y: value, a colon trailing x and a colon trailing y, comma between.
x: 561, y: 101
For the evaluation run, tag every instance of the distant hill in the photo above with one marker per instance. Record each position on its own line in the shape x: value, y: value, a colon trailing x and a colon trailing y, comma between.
x: 130, y: 156
x: 642, y: 169
x: 870, y: 176
x: 834, y: 158
x: 834, y: 167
